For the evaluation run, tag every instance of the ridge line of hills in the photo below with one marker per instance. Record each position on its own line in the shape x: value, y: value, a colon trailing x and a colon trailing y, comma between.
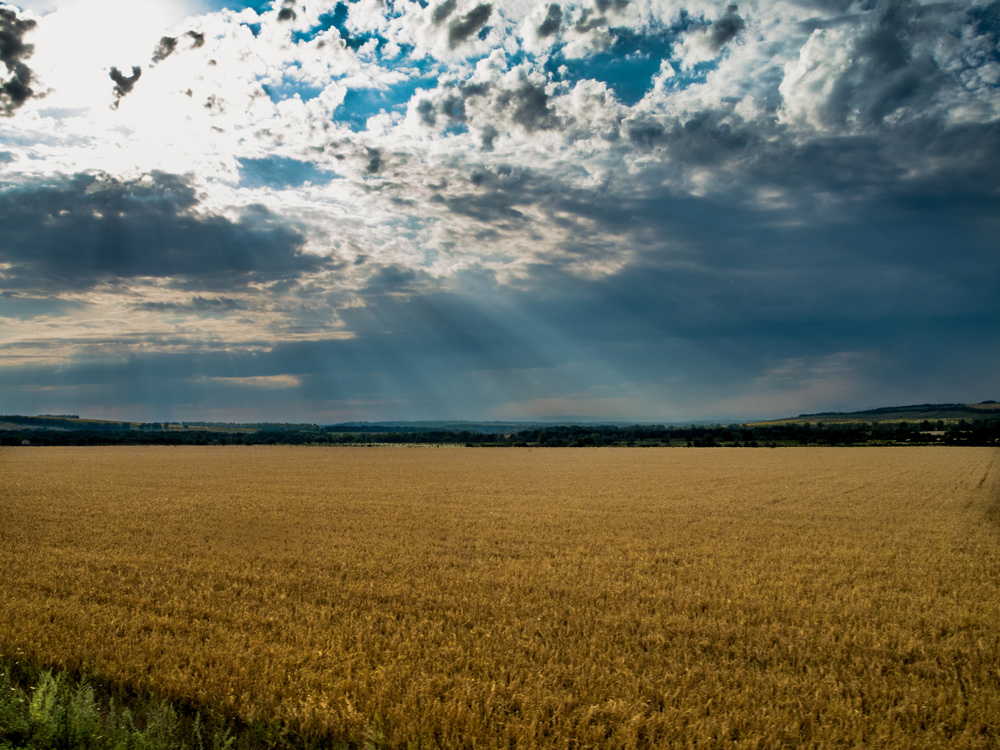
x: 919, y: 412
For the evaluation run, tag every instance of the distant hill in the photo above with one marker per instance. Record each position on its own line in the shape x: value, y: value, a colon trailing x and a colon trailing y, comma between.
x: 914, y: 413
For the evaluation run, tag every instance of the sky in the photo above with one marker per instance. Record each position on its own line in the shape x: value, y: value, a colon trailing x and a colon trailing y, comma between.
x: 622, y: 210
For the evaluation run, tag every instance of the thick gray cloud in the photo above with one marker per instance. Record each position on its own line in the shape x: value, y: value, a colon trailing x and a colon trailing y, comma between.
x: 605, y: 5
x: 453, y: 107
x: 287, y: 12
x: 589, y: 21
x: 887, y: 71
x: 462, y: 28
x: 165, y: 48
x: 16, y: 90
x: 552, y: 22
x: 726, y: 28
x: 489, y: 136
x: 528, y: 105
x: 375, y: 161
x: 898, y: 61
x: 442, y: 11
x: 123, y: 83
x: 84, y: 231
x: 427, y: 113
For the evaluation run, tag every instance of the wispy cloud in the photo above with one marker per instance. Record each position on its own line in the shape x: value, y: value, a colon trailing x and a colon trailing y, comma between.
x: 265, y: 382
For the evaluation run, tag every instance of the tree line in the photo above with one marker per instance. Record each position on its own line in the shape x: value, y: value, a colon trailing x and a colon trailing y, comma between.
x: 69, y: 432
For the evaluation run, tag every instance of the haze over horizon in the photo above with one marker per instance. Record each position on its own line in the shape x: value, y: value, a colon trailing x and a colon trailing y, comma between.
x: 633, y: 210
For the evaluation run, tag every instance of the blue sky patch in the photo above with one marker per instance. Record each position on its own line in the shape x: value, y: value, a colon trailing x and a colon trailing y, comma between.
x: 260, y: 6
x: 288, y: 88
x: 627, y: 66
x: 26, y: 307
x: 337, y: 19
x: 696, y: 75
x: 333, y: 20
x: 281, y: 172
x: 360, y: 104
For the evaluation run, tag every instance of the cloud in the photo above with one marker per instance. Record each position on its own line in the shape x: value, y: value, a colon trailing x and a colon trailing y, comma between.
x: 123, y: 83
x: 552, y: 22
x: 892, y: 63
x: 375, y: 161
x: 86, y: 231
x: 488, y: 137
x: 704, y: 43
x: 265, y: 382
x: 442, y: 11
x: 617, y: 5
x: 287, y: 12
x: 726, y: 28
x: 165, y: 48
x: 528, y: 105
x: 197, y: 304
x: 462, y: 28
x: 15, y: 88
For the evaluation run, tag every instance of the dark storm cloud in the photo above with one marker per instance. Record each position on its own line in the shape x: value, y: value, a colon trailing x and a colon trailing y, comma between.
x: 488, y: 136
x: 453, y: 107
x: 470, y: 90
x: 392, y: 280
x: 164, y: 49
x: 529, y: 106
x: 374, y: 161
x: 589, y: 21
x: 725, y: 29
x: 495, y: 196
x: 425, y: 108
x: 892, y: 67
x: 442, y: 11
x: 552, y: 22
x: 748, y: 286
x: 868, y: 227
x: 287, y: 12
x: 708, y: 137
x: 462, y: 28
x: 80, y: 232
x: 124, y: 84
x: 604, y: 5
x: 16, y: 90
x: 197, y: 39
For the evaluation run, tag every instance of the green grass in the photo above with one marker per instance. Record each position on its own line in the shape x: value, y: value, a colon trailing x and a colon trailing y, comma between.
x: 41, y: 710
x: 45, y: 710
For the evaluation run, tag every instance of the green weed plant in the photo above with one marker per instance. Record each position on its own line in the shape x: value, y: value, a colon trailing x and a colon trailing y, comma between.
x: 40, y: 710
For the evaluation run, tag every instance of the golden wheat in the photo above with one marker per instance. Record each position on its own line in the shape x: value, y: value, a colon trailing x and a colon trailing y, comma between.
x: 612, y: 598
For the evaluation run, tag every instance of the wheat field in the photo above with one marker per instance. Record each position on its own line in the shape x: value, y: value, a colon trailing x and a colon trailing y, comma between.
x: 523, y: 598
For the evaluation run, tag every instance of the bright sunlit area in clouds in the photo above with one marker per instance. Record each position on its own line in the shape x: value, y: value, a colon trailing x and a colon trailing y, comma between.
x: 76, y: 41
x: 655, y: 210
